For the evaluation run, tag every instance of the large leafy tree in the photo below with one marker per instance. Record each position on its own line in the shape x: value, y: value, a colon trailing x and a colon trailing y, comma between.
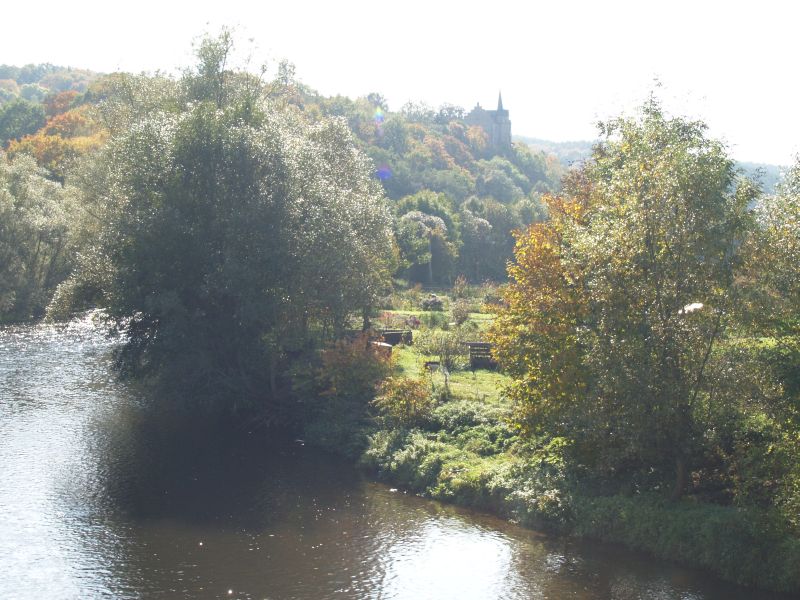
x: 773, y: 260
x: 429, y: 236
x: 35, y: 238
x: 617, y: 302
x: 236, y: 233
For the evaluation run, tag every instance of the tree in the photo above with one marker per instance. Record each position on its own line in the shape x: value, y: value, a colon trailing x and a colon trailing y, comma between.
x: 420, y: 236
x: 429, y: 236
x: 60, y: 102
x: 770, y: 306
x: 237, y: 235
x: 501, y: 180
x: 478, y: 247
x: 19, y: 118
x: 35, y: 239
x: 617, y: 302
x: 773, y: 259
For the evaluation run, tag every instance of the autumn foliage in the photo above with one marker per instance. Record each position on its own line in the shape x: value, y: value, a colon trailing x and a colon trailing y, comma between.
x: 534, y: 335
x: 65, y: 137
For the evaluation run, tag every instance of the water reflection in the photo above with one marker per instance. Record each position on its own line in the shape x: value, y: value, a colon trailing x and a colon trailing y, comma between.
x: 97, y: 500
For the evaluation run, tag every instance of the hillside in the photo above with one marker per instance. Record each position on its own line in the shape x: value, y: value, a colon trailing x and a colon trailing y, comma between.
x: 456, y: 196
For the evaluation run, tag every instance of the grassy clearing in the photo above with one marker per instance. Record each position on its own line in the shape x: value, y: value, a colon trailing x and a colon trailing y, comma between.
x: 480, y: 385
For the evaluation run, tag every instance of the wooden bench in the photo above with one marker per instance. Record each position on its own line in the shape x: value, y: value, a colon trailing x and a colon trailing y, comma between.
x: 397, y: 336
x: 480, y: 355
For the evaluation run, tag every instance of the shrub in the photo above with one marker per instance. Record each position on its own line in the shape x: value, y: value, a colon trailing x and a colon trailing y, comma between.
x: 435, y: 320
x: 433, y: 302
x: 492, y: 295
x: 460, y: 312
x: 342, y: 389
x: 744, y: 546
x: 462, y: 415
x: 460, y: 287
x: 405, y: 402
x: 448, y: 346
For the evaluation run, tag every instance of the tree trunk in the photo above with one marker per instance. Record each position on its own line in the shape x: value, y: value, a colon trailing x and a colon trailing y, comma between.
x: 681, y: 478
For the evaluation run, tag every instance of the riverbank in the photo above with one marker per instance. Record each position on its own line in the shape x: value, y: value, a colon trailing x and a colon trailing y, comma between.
x: 464, y: 450
x: 465, y: 456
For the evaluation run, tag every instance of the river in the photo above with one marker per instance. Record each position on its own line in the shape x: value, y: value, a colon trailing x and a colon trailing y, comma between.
x: 96, y: 501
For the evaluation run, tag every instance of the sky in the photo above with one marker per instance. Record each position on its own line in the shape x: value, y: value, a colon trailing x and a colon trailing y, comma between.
x: 561, y: 66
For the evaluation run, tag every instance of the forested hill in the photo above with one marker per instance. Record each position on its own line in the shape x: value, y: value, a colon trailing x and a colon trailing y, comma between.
x: 34, y: 82
x: 456, y: 199
x: 44, y: 112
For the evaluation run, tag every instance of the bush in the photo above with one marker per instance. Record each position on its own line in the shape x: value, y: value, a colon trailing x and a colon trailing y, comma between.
x: 461, y: 415
x: 460, y: 312
x: 340, y: 393
x: 436, y: 320
x: 492, y: 295
x: 433, y: 302
x: 460, y: 287
x: 448, y: 346
x: 407, y: 458
x: 405, y: 402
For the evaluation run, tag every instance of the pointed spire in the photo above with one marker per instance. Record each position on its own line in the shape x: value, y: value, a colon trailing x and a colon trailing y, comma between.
x: 500, y: 101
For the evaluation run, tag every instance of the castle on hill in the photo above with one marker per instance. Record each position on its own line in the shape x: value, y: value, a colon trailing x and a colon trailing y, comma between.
x: 495, y: 123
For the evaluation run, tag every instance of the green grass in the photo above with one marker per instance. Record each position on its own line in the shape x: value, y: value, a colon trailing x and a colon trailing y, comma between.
x: 482, y: 385
x: 405, y: 313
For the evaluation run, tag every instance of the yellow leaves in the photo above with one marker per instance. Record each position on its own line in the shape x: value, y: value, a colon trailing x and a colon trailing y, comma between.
x: 64, y: 137
x: 75, y: 123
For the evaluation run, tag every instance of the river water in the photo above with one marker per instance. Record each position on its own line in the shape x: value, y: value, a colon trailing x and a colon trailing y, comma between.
x: 98, y: 502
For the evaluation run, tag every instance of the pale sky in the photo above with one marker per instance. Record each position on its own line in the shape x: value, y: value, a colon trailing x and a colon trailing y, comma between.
x: 561, y: 66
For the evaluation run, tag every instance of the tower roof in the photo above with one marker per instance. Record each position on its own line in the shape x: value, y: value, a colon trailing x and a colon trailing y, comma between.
x: 500, y: 101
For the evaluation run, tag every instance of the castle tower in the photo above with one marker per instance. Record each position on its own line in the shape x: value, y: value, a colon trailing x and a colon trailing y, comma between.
x: 501, y: 135
x: 495, y: 123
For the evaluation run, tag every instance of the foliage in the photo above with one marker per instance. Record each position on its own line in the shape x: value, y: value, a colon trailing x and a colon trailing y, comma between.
x: 772, y: 259
x: 460, y: 312
x: 19, y: 118
x: 460, y: 287
x: 744, y: 546
x: 448, y: 346
x: 343, y: 386
x: 428, y: 235
x: 432, y: 302
x: 237, y: 234
x: 35, y: 238
x: 618, y: 301
x: 405, y: 402
x: 63, y: 139
x: 430, y: 161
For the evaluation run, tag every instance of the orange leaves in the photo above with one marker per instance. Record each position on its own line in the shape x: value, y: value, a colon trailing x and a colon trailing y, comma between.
x: 64, y: 137
x: 75, y: 123
x: 59, y: 103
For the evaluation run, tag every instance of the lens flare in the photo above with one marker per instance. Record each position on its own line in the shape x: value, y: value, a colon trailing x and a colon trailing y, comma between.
x: 383, y: 173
